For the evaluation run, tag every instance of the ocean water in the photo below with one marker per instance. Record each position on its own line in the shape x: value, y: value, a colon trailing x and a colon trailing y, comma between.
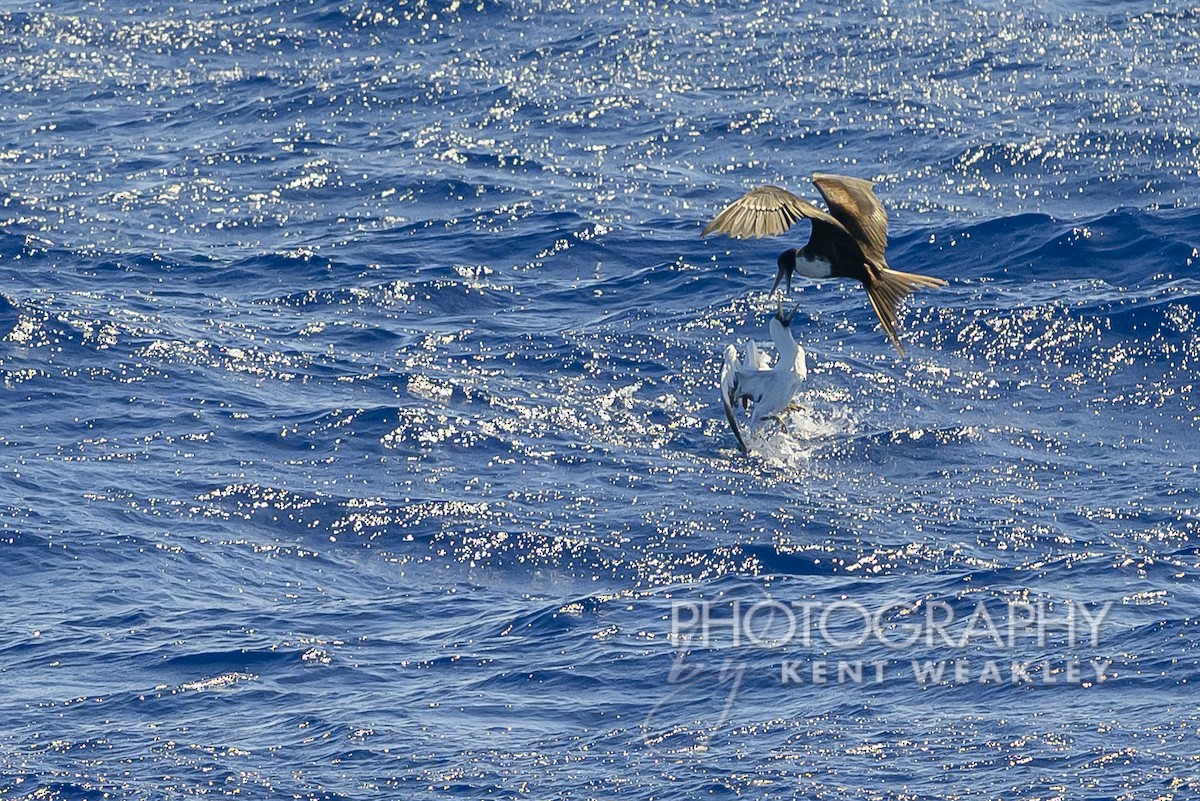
x: 360, y: 436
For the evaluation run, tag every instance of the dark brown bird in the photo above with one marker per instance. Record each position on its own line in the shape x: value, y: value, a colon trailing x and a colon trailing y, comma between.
x: 848, y: 241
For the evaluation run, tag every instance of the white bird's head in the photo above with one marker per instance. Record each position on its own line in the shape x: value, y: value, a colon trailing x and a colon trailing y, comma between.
x: 781, y: 331
x: 786, y: 319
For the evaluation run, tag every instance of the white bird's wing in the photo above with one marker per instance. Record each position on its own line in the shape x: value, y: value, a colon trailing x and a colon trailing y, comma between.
x: 747, y: 379
x: 752, y: 385
x: 729, y: 381
x: 755, y: 358
x: 801, y: 364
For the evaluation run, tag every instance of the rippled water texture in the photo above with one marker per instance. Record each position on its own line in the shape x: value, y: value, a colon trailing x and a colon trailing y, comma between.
x: 360, y: 435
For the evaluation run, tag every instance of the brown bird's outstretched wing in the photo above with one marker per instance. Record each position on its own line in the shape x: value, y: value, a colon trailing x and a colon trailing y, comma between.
x: 853, y: 203
x: 767, y: 211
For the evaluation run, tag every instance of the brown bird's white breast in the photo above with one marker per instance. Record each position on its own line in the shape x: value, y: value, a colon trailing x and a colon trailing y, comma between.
x: 813, y: 268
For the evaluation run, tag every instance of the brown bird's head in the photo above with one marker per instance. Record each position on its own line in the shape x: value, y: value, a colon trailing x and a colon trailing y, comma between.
x: 787, y: 266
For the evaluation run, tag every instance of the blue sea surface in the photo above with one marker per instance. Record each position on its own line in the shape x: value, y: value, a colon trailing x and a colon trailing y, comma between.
x: 360, y: 435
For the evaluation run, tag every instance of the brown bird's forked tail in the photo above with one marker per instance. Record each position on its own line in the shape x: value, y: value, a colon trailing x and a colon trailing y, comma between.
x: 886, y: 288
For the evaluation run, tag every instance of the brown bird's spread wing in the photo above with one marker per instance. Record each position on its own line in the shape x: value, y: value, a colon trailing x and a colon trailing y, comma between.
x: 766, y: 211
x: 853, y: 203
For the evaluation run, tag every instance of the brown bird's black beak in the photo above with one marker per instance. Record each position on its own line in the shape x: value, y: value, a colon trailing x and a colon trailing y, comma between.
x: 787, y: 266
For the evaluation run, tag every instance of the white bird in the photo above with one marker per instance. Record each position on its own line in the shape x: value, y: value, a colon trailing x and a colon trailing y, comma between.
x: 771, y: 389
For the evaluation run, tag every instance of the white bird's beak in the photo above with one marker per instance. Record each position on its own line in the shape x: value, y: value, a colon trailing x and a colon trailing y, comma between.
x: 786, y: 319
